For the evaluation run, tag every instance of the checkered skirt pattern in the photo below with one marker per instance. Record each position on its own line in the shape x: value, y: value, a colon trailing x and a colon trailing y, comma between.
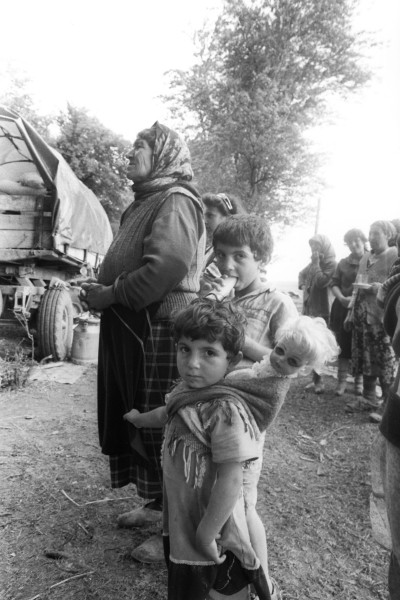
x: 161, y: 371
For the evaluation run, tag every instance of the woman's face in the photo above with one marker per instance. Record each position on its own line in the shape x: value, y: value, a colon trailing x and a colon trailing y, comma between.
x: 377, y: 239
x: 140, y: 161
x: 356, y: 246
x: 315, y: 246
x: 212, y: 217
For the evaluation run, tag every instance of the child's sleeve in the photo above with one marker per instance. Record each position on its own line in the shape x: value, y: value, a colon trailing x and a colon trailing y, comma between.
x: 233, y: 438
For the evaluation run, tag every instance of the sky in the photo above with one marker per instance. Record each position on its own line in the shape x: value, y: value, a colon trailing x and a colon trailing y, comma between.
x: 111, y: 58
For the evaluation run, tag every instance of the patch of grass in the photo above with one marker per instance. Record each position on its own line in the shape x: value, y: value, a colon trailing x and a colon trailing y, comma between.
x: 14, y: 369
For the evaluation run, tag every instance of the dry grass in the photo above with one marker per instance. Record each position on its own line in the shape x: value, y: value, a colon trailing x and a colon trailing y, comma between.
x: 313, y: 499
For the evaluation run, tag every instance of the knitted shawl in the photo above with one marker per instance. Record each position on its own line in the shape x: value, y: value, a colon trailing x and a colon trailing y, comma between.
x: 260, y: 398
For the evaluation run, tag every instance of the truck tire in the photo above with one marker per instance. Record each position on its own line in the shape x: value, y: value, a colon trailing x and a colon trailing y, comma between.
x: 55, y: 324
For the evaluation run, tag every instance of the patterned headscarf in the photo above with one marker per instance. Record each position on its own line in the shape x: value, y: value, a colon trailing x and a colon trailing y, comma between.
x: 387, y: 228
x: 171, y: 162
x: 326, y: 247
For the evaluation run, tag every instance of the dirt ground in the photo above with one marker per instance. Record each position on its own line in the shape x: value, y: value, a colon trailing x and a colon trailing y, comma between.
x: 59, y: 538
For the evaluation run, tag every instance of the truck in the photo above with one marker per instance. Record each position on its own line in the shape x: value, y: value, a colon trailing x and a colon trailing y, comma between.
x: 53, y: 229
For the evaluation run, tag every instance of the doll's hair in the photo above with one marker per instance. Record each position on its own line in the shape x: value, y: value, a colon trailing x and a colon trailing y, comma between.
x: 311, y: 334
x: 212, y: 320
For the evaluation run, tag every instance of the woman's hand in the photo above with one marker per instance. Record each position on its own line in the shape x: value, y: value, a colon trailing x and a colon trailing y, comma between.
x: 348, y: 322
x: 97, y: 296
x: 315, y: 256
x: 345, y: 301
x: 210, y: 549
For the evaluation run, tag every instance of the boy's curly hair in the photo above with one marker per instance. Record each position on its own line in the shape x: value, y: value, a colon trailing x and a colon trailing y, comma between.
x: 246, y: 230
x: 212, y: 320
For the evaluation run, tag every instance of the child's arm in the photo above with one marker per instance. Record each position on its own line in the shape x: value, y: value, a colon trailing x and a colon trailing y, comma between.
x: 153, y: 418
x: 224, y: 496
x: 253, y: 350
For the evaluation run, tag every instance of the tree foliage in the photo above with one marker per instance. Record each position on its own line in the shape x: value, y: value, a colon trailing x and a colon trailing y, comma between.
x: 18, y: 96
x: 261, y: 78
x: 96, y: 155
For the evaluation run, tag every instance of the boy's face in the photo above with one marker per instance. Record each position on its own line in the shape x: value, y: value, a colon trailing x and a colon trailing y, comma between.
x: 240, y: 262
x: 202, y: 363
x: 287, y: 360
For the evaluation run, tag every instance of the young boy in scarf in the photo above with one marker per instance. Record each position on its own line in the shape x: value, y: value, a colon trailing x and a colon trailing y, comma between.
x: 212, y: 430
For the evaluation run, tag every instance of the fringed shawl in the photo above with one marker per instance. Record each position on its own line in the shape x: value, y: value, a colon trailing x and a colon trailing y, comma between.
x: 261, y: 398
x: 256, y: 401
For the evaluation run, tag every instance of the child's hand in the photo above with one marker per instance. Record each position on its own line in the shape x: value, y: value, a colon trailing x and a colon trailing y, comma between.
x: 133, y: 417
x: 210, y: 550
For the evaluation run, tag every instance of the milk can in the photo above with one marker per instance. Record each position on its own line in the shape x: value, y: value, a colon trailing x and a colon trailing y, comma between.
x: 85, y: 344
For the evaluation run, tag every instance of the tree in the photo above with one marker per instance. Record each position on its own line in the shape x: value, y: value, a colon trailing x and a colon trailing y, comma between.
x: 18, y: 96
x: 262, y: 77
x: 96, y: 155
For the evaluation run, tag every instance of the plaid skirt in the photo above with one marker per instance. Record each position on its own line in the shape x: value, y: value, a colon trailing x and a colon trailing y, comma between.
x: 161, y: 371
x: 132, y: 377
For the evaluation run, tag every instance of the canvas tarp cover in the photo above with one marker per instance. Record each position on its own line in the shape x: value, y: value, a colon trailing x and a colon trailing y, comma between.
x: 79, y: 219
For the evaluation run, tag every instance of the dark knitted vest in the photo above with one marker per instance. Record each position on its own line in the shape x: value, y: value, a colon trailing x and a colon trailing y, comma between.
x: 126, y: 251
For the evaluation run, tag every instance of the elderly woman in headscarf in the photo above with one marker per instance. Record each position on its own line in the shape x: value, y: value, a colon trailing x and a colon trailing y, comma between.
x: 314, y: 281
x: 372, y: 353
x: 152, y: 268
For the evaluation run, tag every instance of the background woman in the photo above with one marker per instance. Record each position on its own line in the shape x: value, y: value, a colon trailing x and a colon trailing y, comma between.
x: 342, y: 288
x: 152, y: 268
x: 372, y: 353
x: 314, y: 281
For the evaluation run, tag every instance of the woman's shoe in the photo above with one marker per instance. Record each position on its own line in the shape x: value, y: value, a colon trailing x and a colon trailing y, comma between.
x: 150, y: 551
x: 319, y: 388
x: 360, y: 405
x: 139, y: 517
x: 340, y: 388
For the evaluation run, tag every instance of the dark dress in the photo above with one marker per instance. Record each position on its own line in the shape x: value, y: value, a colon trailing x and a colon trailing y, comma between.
x: 344, y: 277
x: 154, y: 265
x: 315, y: 280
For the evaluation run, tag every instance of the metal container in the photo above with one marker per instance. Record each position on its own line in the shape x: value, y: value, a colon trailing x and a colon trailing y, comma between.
x: 85, y: 344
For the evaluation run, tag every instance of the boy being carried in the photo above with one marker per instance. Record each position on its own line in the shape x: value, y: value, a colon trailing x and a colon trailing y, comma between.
x: 243, y: 247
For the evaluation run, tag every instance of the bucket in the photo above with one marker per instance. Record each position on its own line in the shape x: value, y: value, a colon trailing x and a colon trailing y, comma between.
x: 85, y: 343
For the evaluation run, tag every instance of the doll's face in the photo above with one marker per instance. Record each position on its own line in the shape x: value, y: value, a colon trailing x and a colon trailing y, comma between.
x: 287, y: 359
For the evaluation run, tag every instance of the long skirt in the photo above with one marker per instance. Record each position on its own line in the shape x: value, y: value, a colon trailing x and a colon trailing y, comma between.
x: 132, y: 375
x: 343, y: 338
x: 372, y: 353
